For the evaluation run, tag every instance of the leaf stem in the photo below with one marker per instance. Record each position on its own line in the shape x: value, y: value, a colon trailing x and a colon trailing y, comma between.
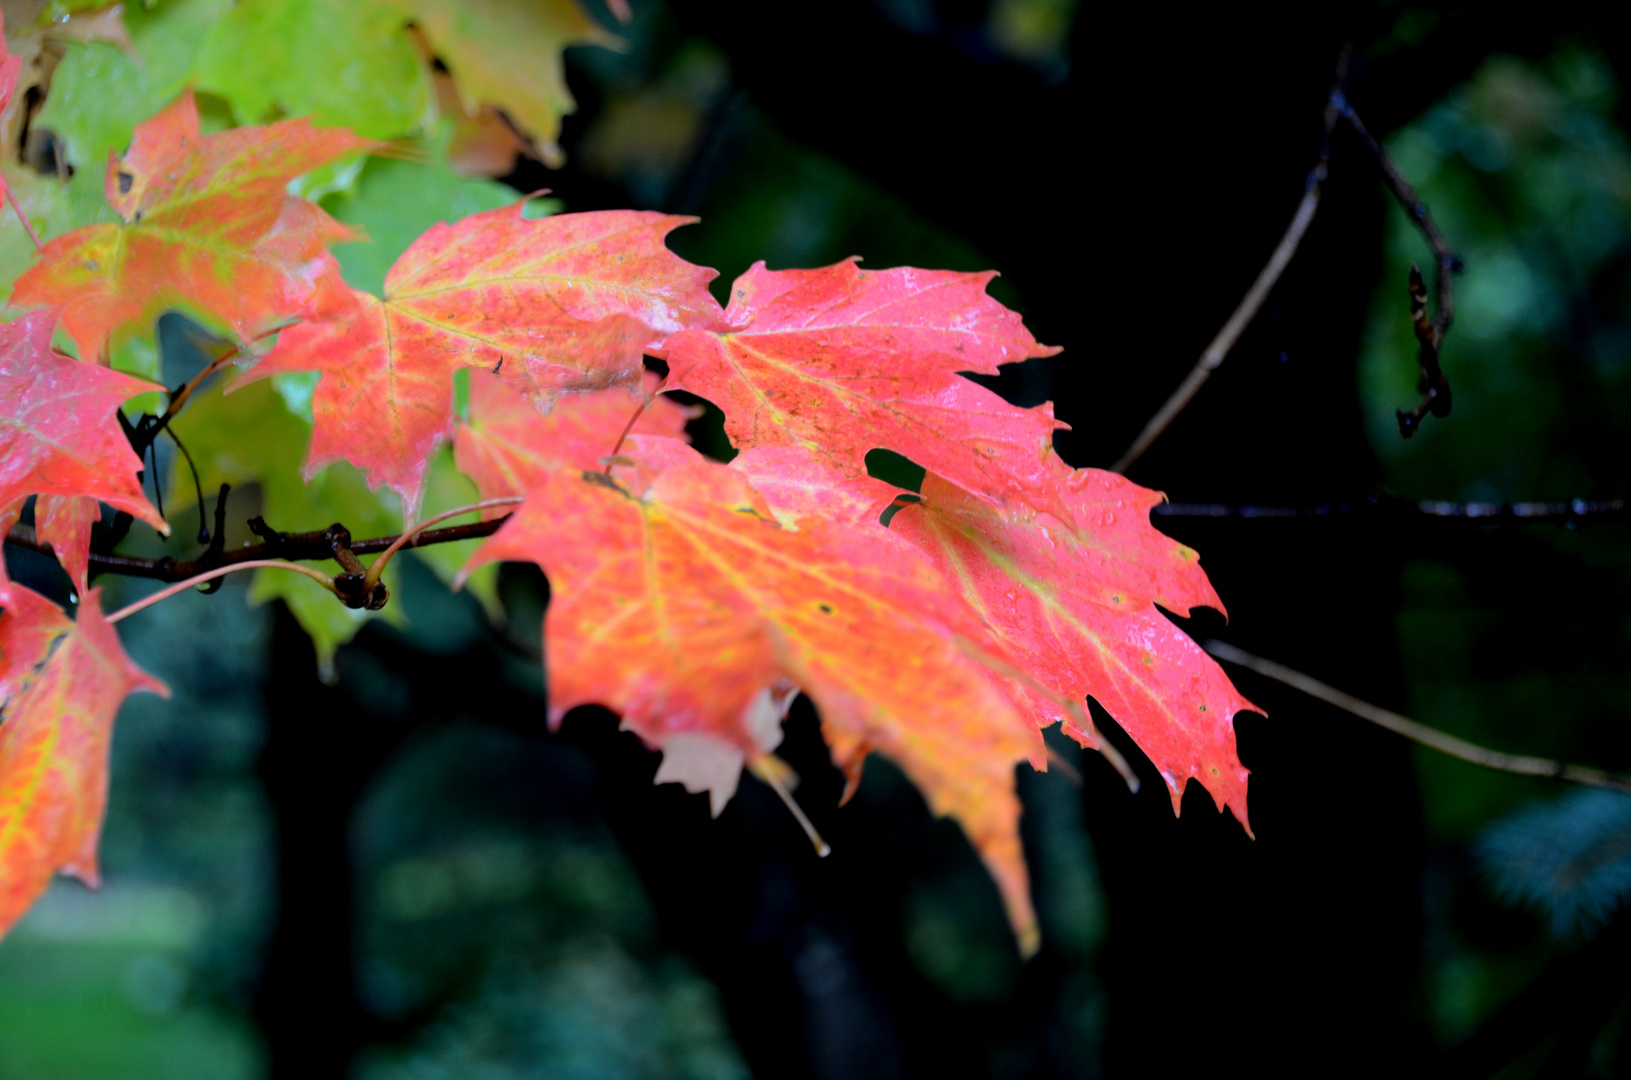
x: 646, y: 397
x: 220, y: 571
x: 1410, y: 729
x: 408, y: 539
x: 5, y: 190
x: 768, y: 775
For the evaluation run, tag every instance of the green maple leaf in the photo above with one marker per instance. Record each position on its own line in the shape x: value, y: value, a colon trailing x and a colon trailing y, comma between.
x: 344, y: 65
x: 99, y: 94
x: 508, y: 53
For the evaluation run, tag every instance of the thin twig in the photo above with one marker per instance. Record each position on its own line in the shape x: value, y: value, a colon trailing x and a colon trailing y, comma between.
x: 1246, y: 310
x: 1574, y: 512
x: 1225, y: 340
x: 1218, y: 350
x: 410, y: 538
x: 768, y: 773
x: 210, y: 575
x: 179, y: 399
x: 1410, y: 729
x: 1435, y: 387
x: 646, y: 398
x: 198, y: 487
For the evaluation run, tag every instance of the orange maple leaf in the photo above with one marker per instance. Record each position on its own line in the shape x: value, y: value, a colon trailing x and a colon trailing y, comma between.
x: 66, y: 682
x: 558, y: 303
x: 207, y: 226
x: 681, y: 609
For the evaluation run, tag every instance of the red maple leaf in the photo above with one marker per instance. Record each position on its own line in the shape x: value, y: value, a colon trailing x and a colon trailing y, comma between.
x: 686, y: 609
x: 207, y: 225
x: 842, y: 360
x: 54, y: 743
x: 1075, y: 603
x: 29, y: 626
x: 65, y: 523
x: 554, y: 304
x: 798, y: 486
x: 10, y: 67
x: 58, y: 433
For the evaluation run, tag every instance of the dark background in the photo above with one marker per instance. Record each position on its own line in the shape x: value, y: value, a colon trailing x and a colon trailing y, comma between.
x: 433, y: 885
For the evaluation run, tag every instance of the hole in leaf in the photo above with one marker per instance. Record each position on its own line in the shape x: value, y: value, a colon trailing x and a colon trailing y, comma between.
x: 893, y: 468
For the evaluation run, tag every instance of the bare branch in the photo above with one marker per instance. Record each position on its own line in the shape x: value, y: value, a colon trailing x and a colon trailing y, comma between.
x: 1259, y: 289
x: 1435, y: 387
x: 293, y: 547
x: 1218, y: 350
x: 1410, y: 729
x: 1574, y: 512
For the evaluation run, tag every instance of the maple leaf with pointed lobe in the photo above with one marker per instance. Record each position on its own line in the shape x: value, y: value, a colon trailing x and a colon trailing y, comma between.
x: 58, y: 432
x: 29, y: 625
x: 65, y: 523
x: 207, y: 225
x: 550, y: 304
x: 58, y: 725
x: 508, y: 53
x: 1075, y: 603
x: 679, y: 609
x: 843, y: 360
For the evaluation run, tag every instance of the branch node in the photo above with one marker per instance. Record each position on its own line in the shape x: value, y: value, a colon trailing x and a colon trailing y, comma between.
x: 272, y: 539
x: 353, y: 587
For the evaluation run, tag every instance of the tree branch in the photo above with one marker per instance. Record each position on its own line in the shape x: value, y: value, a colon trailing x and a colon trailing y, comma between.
x: 1435, y: 387
x: 1574, y: 512
x: 1410, y: 729
x: 1225, y: 340
x: 294, y: 547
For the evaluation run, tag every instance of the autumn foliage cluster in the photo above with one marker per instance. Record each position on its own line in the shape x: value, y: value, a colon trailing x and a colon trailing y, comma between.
x: 942, y: 628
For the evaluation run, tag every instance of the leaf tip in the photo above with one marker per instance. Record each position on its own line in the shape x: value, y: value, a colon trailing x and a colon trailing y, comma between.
x: 1029, y: 939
